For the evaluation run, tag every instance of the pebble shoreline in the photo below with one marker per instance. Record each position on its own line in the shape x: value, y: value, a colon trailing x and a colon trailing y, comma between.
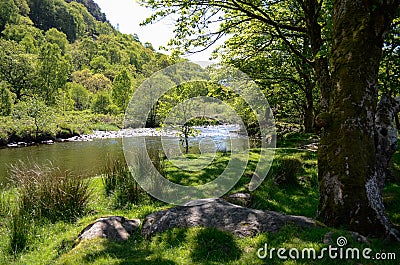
x: 98, y: 135
x: 120, y: 134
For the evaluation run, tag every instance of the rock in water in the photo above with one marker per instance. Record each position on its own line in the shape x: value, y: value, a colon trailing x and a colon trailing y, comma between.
x: 222, y: 215
x: 115, y: 228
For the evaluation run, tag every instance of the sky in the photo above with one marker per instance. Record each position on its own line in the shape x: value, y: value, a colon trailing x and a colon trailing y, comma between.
x: 128, y: 14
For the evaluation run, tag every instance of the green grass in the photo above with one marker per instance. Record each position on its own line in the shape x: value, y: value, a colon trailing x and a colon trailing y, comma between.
x: 55, y: 243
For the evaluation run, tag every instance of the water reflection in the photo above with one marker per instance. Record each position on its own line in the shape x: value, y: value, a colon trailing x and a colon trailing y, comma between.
x: 88, y: 158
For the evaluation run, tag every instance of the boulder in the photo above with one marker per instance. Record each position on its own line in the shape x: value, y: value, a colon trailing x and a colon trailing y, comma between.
x: 223, y: 215
x: 242, y: 199
x: 116, y: 228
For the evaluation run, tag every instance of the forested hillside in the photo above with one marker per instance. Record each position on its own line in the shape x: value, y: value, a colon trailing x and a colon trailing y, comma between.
x: 64, y: 69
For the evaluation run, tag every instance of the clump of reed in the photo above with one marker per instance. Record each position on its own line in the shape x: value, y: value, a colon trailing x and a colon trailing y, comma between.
x: 47, y: 192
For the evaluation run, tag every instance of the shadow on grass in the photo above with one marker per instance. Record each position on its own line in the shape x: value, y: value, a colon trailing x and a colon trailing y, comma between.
x: 174, y: 238
x: 207, y: 174
x: 391, y: 198
x: 133, y: 251
x: 213, y: 245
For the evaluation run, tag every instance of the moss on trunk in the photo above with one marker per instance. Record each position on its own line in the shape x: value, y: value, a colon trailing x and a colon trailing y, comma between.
x: 347, y: 174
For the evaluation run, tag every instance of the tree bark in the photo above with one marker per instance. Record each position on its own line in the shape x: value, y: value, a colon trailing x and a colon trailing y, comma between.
x: 349, y: 191
x: 309, y: 119
x: 312, y: 11
x: 386, y: 135
x: 309, y: 110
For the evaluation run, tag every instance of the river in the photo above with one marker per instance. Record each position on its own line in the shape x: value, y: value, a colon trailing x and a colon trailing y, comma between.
x: 88, y: 158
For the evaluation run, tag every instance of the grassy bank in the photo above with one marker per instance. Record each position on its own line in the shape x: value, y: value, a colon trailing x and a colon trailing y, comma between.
x: 290, y: 188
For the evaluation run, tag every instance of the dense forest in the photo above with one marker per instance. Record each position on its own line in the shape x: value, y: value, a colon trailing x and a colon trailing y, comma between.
x: 65, y: 70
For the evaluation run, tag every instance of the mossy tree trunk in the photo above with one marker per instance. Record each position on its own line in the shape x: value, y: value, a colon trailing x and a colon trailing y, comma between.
x: 349, y: 192
x: 386, y: 135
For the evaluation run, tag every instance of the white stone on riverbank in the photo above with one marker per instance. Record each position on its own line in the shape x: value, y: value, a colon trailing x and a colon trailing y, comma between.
x: 122, y: 133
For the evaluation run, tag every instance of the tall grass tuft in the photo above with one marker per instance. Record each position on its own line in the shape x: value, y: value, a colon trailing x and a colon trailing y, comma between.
x: 50, y: 193
x: 120, y: 183
x: 285, y: 170
x: 4, y: 205
x: 20, y: 228
x: 17, y: 222
x: 158, y: 160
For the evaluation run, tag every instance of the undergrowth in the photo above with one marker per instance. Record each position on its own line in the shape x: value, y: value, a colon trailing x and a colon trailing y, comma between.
x: 291, y: 187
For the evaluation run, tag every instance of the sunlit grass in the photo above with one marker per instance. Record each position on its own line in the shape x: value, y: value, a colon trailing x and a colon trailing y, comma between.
x: 55, y: 243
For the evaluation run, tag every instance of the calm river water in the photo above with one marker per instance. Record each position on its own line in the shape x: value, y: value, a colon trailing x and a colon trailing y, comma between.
x: 88, y: 158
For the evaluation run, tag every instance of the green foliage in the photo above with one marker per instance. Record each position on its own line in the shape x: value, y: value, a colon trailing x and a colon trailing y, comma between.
x: 285, y: 171
x: 101, y: 103
x: 99, y: 64
x: 391, y: 197
x: 56, y: 37
x: 54, y: 243
x: 98, y: 82
x: 47, y: 14
x: 62, y: 124
x: 35, y: 110
x: 92, y: 8
x: 18, y: 68
x: 54, y: 71
x: 6, y: 100
x: 210, y: 242
x: 44, y: 45
x: 23, y: 7
x: 389, y: 65
x: 80, y: 95
x: 8, y: 13
x: 63, y: 101
x: 122, y: 90
x: 28, y: 36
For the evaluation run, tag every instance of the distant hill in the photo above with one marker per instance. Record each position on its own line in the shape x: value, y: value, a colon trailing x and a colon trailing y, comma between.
x: 93, y: 9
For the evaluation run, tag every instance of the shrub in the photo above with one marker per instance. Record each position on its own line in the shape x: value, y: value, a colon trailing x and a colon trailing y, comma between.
x: 50, y: 193
x: 6, y: 100
x: 285, y: 171
x: 101, y: 103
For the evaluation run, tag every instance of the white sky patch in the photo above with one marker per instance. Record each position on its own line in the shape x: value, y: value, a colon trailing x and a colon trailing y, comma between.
x: 128, y: 14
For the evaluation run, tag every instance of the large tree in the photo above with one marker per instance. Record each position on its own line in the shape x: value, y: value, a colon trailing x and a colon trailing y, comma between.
x: 348, y: 175
x: 18, y: 68
x: 349, y: 191
x: 122, y: 90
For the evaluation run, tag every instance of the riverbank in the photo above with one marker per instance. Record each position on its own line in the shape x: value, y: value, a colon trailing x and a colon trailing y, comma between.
x: 96, y: 135
x: 206, y: 132
x: 99, y: 135
x: 20, y: 132
x: 56, y: 242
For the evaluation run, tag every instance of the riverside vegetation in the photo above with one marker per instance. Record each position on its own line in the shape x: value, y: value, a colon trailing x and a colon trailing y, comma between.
x: 64, y: 70
x: 41, y: 219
